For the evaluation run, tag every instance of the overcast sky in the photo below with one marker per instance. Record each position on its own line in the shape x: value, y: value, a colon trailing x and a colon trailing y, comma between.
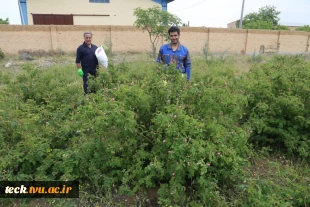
x: 209, y: 13
x: 218, y: 13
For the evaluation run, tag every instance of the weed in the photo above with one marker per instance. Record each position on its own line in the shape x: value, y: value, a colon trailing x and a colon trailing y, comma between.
x: 108, y: 48
x: 32, y: 54
x: 1, y: 54
x: 255, y: 58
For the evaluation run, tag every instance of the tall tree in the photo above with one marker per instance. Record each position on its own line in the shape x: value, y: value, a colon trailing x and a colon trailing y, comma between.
x: 156, y: 22
x: 4, y: 21
x: 266, y: 18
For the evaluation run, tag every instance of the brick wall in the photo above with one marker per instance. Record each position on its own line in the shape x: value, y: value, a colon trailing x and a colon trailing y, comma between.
x: 128, y: 38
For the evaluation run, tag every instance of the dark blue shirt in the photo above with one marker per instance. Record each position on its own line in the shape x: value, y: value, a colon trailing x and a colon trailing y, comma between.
x: 86, y: 56
x: 180, y: 57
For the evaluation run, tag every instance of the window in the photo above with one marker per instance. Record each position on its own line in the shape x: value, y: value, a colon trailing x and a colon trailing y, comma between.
x: 99, y: 1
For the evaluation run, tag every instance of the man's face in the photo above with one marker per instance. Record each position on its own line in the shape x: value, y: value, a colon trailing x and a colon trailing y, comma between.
x: 174, y: 37
x: 87, y: 39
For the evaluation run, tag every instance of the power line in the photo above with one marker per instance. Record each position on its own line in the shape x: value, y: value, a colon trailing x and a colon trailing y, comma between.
x: 190, y: 6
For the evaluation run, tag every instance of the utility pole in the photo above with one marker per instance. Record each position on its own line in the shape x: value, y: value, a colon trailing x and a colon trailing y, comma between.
x: 240, y: 22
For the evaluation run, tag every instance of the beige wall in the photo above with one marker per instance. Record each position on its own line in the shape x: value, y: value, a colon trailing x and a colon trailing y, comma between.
x: 194, y: 38
x: 227, y: 40
x: 128, y: 38
x: 120, y: 11
x: 268, y: 38
x: 291, y: 40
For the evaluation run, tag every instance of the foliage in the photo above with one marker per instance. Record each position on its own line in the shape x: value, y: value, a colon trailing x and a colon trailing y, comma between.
x: 305, y: 28
x: 156, y: 22
x: 147, y: 128
x: 281, y: 27
x: 205, y: 51
x: 1, y: 54
x: 274, y: 181
x: 108, y: 47
x: 257, y: 24
x: 212, y: 58
x: 278, y: 110
x: 255, y: 57
x: 266, y: 18
x: 4, y: 21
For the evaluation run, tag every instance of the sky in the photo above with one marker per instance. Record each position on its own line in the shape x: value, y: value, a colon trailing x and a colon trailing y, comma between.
x: 208, y: 13
x: 218, y: 13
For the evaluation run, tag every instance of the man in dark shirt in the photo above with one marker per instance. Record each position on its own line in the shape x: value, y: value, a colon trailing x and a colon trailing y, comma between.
x: 86, y: 60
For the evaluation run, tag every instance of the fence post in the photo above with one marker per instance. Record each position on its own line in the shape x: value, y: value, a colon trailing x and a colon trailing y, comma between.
x: 208, y: 40
x: 246, y: 41
x: 53, y: 32
x: 111, y: 34
x: 278, y: 41
x: 308, y: 43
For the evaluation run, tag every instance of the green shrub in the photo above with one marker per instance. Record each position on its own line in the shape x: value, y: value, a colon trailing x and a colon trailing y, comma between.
x: 1, y: 54
x: 145, y: 128
x: 305, y: 28
x: 278, y: 111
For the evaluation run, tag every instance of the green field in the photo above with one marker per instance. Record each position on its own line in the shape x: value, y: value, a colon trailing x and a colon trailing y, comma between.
x: 238, y: 134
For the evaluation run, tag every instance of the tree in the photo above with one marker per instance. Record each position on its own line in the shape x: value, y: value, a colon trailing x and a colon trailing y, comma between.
x: 266, y: 18
x: 305, y: 28
x: 4, y: 21
x: 156, y: 22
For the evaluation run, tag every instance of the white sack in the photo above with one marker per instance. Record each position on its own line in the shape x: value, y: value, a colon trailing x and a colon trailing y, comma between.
x: 101, y: 56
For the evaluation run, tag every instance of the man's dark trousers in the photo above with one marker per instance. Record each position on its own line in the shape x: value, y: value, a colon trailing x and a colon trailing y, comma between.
x: 85, y: 79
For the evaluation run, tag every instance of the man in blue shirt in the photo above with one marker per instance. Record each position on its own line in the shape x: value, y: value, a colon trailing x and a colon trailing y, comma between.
x: 86, y: 60
x: 175, y: 53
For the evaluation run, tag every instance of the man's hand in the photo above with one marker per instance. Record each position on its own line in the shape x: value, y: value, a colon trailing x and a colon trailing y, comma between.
x: 80, y: 72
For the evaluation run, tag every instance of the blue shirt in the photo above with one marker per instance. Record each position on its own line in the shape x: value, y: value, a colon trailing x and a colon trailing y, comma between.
x: 86, y: 56
x: 180, y: 57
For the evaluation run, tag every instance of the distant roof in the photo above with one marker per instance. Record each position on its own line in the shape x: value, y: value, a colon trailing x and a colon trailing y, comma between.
x: 234, y: 21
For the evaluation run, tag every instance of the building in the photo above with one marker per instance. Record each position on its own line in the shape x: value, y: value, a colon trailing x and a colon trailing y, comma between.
x: 232, y: 25
x: 83, y: 12
x: 293, y: 28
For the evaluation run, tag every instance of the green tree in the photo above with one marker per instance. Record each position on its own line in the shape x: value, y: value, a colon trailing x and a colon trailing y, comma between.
x: 266, y: 18
x: 4, y: 21
x: 305, y: 28
x: 281, y: 27
x: 156, y: 22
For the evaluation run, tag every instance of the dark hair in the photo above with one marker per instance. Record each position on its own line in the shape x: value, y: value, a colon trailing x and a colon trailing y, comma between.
x: 174, y: 29
x: 85, y: 33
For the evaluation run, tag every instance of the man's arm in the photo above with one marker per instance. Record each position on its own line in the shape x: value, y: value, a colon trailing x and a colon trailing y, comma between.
x: 188, y: 65
x: 78, y: 62
x: 160, y: 56
x: 97, y: 64
x: 78, y: 58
